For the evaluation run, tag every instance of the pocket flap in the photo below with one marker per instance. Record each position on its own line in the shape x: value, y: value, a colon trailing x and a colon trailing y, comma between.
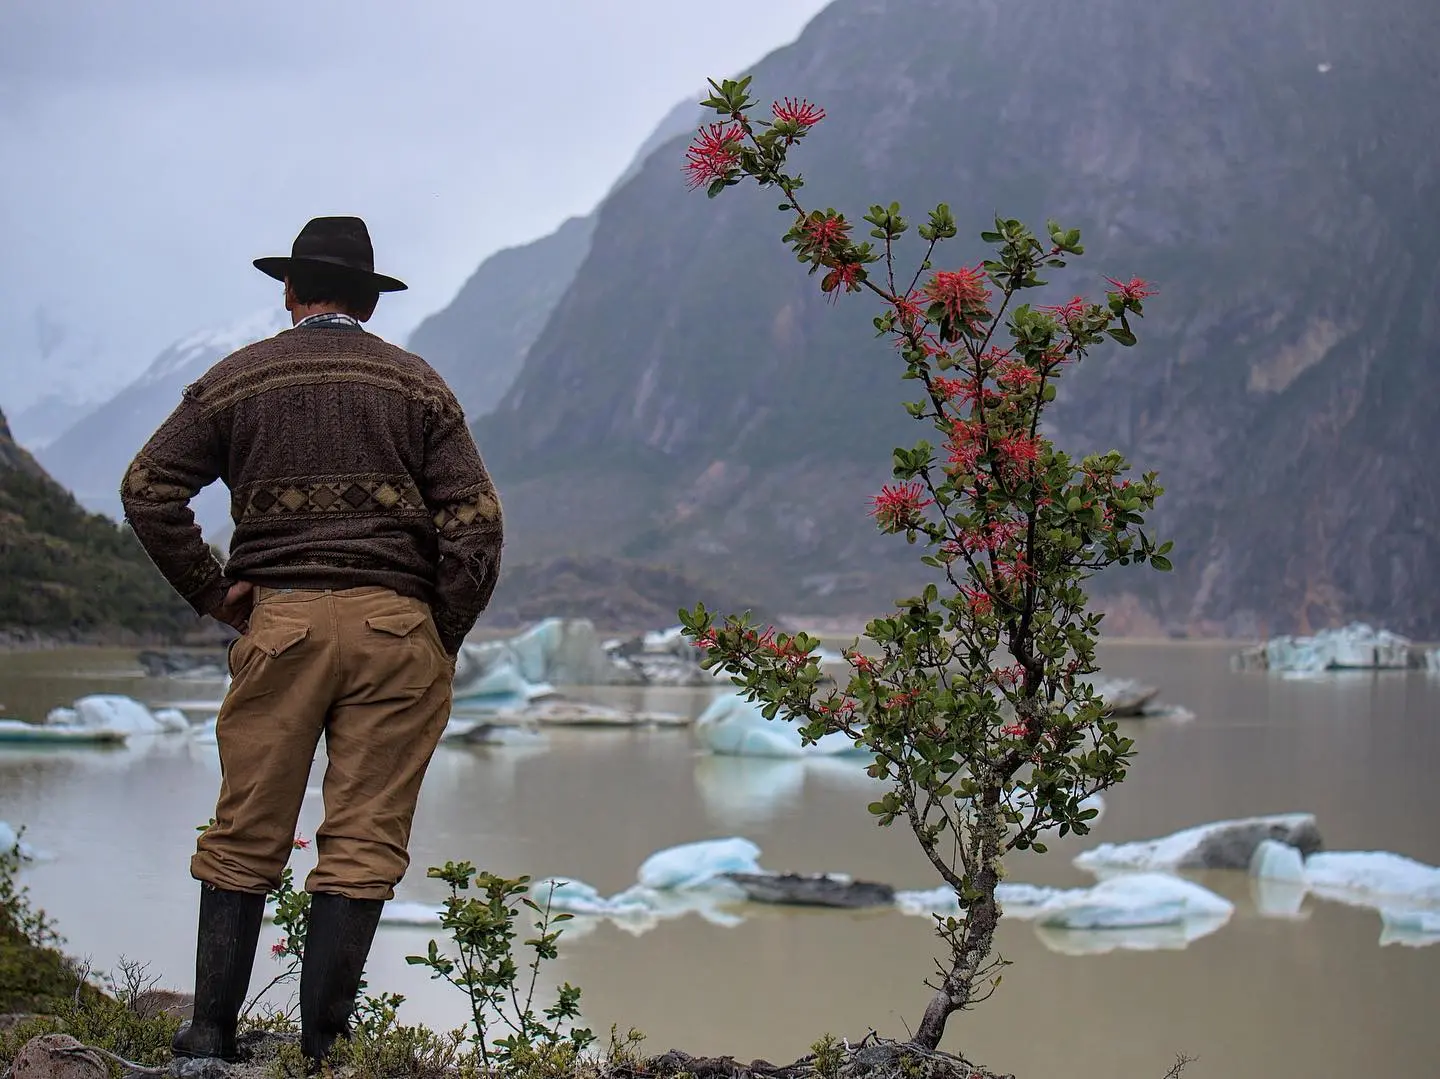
x: 397, y: 625
x: 275, y: 639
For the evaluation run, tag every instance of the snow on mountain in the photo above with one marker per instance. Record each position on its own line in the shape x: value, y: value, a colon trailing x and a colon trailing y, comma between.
x: 91, y: 456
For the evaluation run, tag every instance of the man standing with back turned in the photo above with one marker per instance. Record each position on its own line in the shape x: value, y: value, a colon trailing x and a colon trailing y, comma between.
x: 367, y: 541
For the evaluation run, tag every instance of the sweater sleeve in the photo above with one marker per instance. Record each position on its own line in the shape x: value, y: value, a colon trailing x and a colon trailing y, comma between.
x: 458, y: 491
x: 181, y: 458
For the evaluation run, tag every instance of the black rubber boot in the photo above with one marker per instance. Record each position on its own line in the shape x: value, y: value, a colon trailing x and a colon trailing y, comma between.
x: 337, y: 943
x: 224, y: 958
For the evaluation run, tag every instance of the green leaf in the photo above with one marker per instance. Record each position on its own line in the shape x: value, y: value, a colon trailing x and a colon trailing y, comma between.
x: 1160, y: 562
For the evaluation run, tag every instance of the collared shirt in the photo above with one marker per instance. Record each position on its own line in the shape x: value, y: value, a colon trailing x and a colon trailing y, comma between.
x: 329, y: 318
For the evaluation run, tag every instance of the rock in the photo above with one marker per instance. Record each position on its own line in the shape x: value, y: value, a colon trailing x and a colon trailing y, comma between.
x: 1223, y: 845
x: 181, y: 664
x: 813, y: 890
x: 201, y: 1068
x: 58, y: 1056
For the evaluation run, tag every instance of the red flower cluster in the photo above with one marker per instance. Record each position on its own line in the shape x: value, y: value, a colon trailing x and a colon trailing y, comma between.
x: 1018, y: 449
x: 1069, y: 311
x: 301, y: 843
x: 1009, y: 676
x: 846, y: 274
x: 966, y: 444
x: 1134, y: 290
x: 1016, y: 375
x: 715, y: 151
x: 962, y: 293
x: 824, y: 233
x: 279, y: 948
x: 707, y: 640
x: 898, y: 505
x: 989, y: 537
x: 978, y: 600
x: 861, y: 662
x: 798, y: 112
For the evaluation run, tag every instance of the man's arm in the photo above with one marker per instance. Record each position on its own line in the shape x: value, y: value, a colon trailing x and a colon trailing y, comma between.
x: 180, y: 459
x: 458, y: 491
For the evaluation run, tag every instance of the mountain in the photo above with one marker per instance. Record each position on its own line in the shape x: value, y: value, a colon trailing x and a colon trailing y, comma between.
x: 45, y: 420
x: 92, y: 455
x: 692, y: 400
x: 70, y: 574
x: 478, y: 341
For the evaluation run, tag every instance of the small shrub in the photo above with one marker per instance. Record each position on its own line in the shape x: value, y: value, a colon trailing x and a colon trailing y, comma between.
x: 483, y: 932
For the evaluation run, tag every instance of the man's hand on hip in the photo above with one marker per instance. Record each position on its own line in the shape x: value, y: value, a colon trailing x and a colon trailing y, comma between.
x: 234, y: 609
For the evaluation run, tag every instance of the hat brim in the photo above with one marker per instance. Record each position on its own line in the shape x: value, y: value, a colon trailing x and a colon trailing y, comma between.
x: 278, y: 267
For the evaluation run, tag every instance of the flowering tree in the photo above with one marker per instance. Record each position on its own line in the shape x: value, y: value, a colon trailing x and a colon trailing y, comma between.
x: 972, y: 695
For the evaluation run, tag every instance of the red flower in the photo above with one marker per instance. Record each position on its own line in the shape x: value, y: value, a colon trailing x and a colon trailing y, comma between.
x: 301, y: 843
x: 1012, y: 569
x: 966, y: 444
x: 962, y: 293
x: 1009, y: 676
x: 1019, y: 448
x: 707, y: 640
x: 908, y: 308
x: 823, y: 232
x: 713, y: 154
x: 1069, y: 311
x: 798, y: 112
x: 861, y: 662
x: 279, y: 948
x: 899, y: 506
x: 978, y: 599
x: 1015, y: 730
x: 1134, y: 290
x: 846, y: 274
x: 1016, y: 375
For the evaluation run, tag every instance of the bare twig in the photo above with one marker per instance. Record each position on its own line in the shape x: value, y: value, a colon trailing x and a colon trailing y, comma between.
x: 128, y: 1065
x: 1181, y: 1061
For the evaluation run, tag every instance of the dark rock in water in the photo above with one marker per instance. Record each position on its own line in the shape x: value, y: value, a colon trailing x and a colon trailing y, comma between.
x: 1234, y: 847
x: 818, y: 890
x: 170, y: 664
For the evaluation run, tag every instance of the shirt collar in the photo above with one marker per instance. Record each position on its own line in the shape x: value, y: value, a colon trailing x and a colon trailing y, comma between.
x: 329, y: 318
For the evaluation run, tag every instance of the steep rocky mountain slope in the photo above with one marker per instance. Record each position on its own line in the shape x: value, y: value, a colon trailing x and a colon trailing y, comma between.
x: 71, y: 574
x: 692, y: 399
x: 478, y: 341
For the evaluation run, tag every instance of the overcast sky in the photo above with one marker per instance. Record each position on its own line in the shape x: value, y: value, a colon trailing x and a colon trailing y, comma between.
x: 152, y: 149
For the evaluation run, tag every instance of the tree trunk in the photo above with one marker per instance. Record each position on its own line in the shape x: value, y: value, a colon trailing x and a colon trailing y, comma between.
x: 981, y: 919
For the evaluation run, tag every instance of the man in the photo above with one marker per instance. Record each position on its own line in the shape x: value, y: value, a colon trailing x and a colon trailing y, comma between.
x: 367, y: 541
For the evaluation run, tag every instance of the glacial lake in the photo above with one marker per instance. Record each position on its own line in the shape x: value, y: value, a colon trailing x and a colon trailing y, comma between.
x: 1316, y: 994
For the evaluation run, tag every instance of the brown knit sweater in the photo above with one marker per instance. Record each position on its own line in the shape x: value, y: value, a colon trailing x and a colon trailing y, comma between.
x: 348, y: 462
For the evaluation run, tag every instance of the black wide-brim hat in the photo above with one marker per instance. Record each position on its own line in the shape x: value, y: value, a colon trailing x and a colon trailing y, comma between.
x: 336, y: 242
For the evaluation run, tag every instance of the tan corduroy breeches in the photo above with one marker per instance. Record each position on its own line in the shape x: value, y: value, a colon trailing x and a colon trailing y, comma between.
x: 364, y: 667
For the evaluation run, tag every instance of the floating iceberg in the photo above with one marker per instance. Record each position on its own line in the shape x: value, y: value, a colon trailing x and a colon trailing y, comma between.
x: 1411, y: 928
x: 1372, y: 878
x: 1136, y: 912
x: 688, y: 879
x: 10, y: 844
x: 1353, y: 647
x: 15, y: 731
x: 694, y: 865
x: 116, y: 715
x: 527, y: 666
x: 734, y: 727
x: 1229, y: 844
x: 1405, y: 892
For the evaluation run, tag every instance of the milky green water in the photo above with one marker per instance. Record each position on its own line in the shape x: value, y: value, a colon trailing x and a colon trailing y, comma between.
x: 1262, y: 997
